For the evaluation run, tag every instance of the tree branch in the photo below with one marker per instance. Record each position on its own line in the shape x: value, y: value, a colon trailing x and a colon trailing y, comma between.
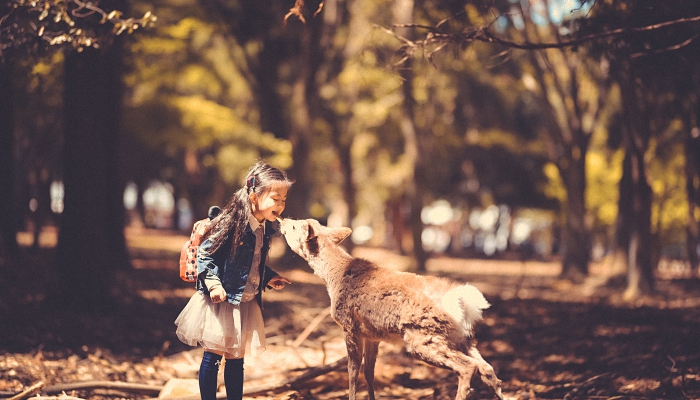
x: 298, y: 10
x: 437, y: 36
x: 61, y: 22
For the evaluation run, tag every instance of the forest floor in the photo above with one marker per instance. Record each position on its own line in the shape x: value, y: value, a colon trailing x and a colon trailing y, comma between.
x: 546, y: 338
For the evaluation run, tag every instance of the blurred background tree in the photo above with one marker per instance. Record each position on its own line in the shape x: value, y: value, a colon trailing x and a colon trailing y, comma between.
x: 656, y: 70
x: 571, y: 103
x: 558, y: 130
x: 91, y: 223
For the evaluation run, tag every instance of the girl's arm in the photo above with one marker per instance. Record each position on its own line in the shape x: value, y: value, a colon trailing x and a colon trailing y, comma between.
x: 268, y: 275
x: 212, y: 282
x: 207, y: 270
x: 205, y: 260
x: 273, y: 280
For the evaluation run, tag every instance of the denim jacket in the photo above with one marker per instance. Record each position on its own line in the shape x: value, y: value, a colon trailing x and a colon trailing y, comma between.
x: 233, y: 271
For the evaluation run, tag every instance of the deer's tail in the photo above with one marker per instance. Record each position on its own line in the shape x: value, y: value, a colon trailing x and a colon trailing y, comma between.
x: 464, y: 303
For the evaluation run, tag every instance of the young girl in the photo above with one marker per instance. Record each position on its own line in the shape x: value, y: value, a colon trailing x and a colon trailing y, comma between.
x: 225, y: 316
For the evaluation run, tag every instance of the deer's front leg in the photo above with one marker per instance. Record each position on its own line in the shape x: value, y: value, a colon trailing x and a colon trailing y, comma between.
x: 371, y: 350
x: 354, y: 345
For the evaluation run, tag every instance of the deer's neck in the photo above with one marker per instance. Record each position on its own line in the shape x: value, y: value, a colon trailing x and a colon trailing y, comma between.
x: 330, y: 264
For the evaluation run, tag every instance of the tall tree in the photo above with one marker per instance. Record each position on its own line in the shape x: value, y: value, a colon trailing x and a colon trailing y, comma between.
x: 8, y: 212
x: 631, y: 34
x: 268, y: 46
x: 91, y: 242
x: 692, y: 154
x: 403, y: 14
x: 636, y: 202
x: 572, y: 92
x: 91, y: 239
x: 654, y: 60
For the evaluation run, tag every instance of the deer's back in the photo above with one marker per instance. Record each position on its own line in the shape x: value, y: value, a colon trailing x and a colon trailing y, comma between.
x: 381, y: 303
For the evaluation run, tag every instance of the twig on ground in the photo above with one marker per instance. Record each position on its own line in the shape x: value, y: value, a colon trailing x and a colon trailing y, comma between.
x: 584, y: 386
x: 62, y: 397
x: 29, y: 391
x: 307, y: 331
x: 311, y: 327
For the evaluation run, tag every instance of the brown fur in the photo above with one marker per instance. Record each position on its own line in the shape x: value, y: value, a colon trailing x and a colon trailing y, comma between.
x: 374, y: 304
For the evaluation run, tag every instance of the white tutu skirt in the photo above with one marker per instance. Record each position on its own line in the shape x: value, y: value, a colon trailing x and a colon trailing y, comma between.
x: 236, y: 331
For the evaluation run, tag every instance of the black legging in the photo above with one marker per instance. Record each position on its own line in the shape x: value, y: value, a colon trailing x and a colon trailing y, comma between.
x: 233, y: 377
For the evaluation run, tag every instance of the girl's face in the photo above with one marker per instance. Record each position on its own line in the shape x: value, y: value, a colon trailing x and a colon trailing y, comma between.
x: 269, y: 204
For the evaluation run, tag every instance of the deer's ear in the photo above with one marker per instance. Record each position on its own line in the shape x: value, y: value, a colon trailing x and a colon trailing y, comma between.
x: 313, y: 232
x: 337, y: 235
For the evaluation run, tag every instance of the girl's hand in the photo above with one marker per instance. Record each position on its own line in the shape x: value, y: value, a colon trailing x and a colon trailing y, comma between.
x: 218, y: 294
x: 278, y: 282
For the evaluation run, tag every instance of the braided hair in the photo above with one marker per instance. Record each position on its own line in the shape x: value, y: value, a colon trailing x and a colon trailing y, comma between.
x: 231, y: 223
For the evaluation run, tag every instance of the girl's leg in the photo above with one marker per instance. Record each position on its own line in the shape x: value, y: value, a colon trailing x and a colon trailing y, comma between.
x: 208, y: 372
x: 233, y: 378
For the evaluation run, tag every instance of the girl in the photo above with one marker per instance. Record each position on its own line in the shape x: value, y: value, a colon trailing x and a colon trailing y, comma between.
x: 224, y: 316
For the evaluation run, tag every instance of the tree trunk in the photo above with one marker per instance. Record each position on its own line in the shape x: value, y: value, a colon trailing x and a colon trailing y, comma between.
x: 300, y: 128
x: 633, y: 236
x: 415, y: 194
x: 8, y: 222
x: 91, y: 241
x: 640, y: 260
x: 349, y: 188
x: 342, y: 141
x: 398, y: 224
x: 623, y: 222
x: 295, y: 126
x: 198, y: 185
x: 568, y: 145
x: 575, y: 236
x: 692, y: 184
x: 403, y: 14
x: 43, y: 214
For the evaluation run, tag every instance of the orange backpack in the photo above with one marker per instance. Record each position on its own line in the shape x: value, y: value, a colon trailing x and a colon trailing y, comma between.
x: 188, y: 254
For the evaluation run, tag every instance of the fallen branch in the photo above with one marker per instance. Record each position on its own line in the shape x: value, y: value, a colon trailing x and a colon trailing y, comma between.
x: 585, y: 385
x: 289, y: 383
x: 284, y: 385
x: 61, y: 397
x: 89, y: 385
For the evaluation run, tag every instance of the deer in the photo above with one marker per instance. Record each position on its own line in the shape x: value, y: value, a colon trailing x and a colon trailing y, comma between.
x: 433, y: 317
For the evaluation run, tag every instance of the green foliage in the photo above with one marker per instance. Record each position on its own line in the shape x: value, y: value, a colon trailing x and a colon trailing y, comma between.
x: 196, y: 81
x: 604, y: 172
x: 664, y: 61
x: 670, y: 210
x: 189, y: 95
x: 604, y: 168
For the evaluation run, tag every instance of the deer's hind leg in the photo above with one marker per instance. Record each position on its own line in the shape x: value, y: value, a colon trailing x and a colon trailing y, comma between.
x: 486, y: 372
x: 371, y: 350
x: 438, y: 351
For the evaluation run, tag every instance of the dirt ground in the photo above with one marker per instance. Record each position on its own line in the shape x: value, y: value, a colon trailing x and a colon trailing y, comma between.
x: 546, y: 338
